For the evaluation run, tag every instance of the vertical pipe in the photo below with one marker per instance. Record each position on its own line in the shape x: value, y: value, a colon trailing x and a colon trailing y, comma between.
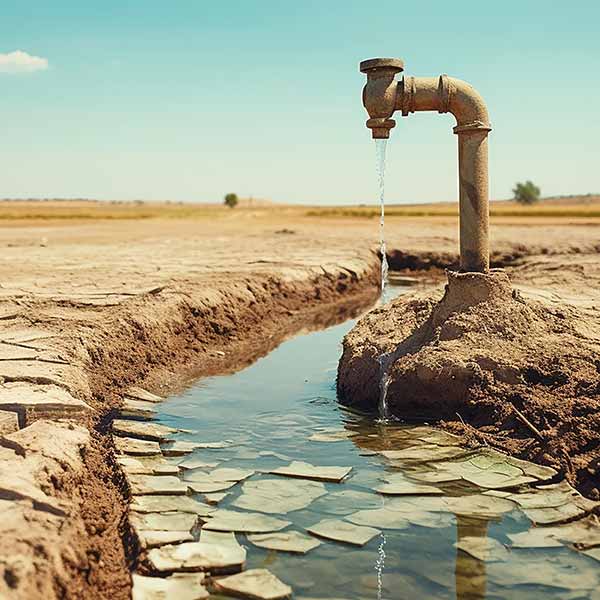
x: 473, y: 198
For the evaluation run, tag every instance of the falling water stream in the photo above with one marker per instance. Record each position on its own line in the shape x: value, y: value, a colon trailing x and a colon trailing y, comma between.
x: 384, y: 359
x: 380, y: 147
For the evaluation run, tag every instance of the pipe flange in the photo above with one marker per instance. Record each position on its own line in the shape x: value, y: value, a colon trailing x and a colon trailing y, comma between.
x: 472, y: 127
x: 392, y: 65
x: 409, y: 90
x: 446, y: 92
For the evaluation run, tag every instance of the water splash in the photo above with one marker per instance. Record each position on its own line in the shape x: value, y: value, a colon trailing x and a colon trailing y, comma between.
x: 379, y: 566
x: 380, y: 147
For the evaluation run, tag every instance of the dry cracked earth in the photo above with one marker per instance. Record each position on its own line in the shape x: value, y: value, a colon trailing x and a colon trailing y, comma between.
x: 90, y: 309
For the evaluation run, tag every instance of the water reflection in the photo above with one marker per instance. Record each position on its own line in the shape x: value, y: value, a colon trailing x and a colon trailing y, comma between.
x: 470, y: 573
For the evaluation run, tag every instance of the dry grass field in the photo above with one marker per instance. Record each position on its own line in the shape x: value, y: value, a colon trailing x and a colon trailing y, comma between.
x: 576, y: 209
x: 579, y: 207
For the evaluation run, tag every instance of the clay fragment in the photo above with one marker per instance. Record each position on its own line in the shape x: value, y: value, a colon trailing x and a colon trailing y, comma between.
x: 331, y: 435
x: 191, y: 463
x: 135, y: 447
x: 37, y: 401
x: 143, y: 430
x: 150, y: 504
x: 198, y: 556
x: 219, y: 537
x: 422, y: 453
x: 244, y: 522
x: 479, y: 506
x: 482, y: 548
x: 217, y: 480
x: 166, y: 521
x: 256, y: 584
x: 305, y: 470
x: 554, y: 571
x: 138, y: 409
x: 382, y: 518
x: 146, y: 466
x: 150, y: 538
x: 141, y: 394
x: 180, y: 586
x: 399, y: 486
x: 285, y: 541
x: 215, y: 498
x: 279, y: 495
x: 178, y: 448
x: 156, y: 484
x: 555, y: 503
x: 490, y: 469
x: 341, y: 531
x: 593, y: 553
x: 584, y: 533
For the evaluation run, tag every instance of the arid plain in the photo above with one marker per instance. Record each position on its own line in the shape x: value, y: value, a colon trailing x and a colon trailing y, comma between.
x: 97, y: 297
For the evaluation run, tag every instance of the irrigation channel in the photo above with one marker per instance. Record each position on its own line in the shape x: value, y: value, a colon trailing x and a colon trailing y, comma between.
x: 407, y: 512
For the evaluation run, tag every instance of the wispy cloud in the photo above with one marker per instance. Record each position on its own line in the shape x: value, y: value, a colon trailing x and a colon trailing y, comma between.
x: 21, y: 62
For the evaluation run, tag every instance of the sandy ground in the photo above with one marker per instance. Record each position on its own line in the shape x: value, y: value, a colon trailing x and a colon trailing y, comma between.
x: 156, y: 302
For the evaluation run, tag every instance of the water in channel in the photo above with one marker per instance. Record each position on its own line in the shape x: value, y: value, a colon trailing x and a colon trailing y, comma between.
x: 283, y: 408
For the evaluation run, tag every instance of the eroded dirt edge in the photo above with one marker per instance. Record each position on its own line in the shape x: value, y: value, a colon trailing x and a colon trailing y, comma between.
x: 82, y: 547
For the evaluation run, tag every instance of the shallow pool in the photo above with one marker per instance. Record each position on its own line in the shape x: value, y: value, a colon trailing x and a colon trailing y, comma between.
x: 283, y: 408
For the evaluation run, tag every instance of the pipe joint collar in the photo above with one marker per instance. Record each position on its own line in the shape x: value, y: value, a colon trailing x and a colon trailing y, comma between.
x: 409, y: 90
x: 446, y: 91
x: 473, y: 127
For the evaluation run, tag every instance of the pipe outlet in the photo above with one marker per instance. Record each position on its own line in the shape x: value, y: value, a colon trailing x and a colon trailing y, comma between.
x: 380, y: 93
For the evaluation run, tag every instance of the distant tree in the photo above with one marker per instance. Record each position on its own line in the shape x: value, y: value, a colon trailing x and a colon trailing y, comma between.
x: 526, y: 193
x: 231, y: 200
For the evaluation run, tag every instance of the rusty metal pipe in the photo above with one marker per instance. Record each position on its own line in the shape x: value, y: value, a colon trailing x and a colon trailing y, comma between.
x: 442, y: 94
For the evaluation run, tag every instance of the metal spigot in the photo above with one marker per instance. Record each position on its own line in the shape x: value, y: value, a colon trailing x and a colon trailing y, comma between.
x: 379, y: 93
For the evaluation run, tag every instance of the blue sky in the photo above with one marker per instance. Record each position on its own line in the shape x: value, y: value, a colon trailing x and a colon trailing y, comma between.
x: 190, y: 99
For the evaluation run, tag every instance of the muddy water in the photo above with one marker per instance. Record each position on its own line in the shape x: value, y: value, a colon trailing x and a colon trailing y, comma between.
x: 283, y: 408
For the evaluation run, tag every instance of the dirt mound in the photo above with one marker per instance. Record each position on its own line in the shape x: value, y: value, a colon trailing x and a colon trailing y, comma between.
x: 484, y: 360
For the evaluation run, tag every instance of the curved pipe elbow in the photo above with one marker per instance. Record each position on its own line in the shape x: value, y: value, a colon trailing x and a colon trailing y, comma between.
x: 467, y: 105
x: 444, y: 94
